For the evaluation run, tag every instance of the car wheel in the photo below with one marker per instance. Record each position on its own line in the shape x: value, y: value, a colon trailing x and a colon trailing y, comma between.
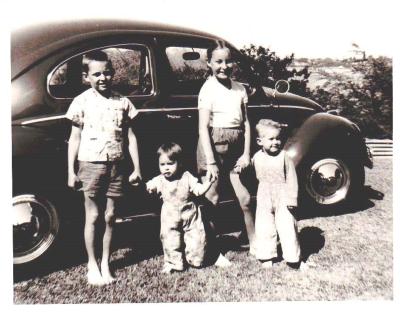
x: 331, y: 181
x: 35, y: 227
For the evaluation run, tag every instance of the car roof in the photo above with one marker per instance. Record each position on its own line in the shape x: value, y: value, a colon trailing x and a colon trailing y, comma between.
x: 31, y: 43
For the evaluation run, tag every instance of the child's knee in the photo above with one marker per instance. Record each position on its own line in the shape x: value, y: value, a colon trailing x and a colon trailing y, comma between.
x: 244, y: 201
x: 92, y: 216
x: 109, y: 217
x: 213, y: 198
x: 109, y: 214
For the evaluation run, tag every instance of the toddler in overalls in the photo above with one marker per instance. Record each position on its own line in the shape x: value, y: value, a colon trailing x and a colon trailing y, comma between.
x: 276, y: 197
x: 182, y: 230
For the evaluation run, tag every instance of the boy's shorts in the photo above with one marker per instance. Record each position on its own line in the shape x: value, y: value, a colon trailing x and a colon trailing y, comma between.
x: 102, y: 178
x: 228, y: 146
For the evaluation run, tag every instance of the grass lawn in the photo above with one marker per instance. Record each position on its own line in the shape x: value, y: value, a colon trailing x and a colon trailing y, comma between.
x: 353, y: 254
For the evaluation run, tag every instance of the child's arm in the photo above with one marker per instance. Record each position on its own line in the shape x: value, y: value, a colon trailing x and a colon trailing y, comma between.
x: 198, y: 188
x: 73, y: 148
x: 152, y: 186
x: 204, y: 136
x: 291, y: 182
x: 133, y: 152
x: 244, y: 160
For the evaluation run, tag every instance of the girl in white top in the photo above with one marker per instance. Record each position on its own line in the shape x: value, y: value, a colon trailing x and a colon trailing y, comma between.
x: 224, y: 133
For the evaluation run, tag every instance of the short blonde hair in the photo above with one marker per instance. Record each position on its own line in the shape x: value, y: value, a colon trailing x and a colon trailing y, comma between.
x: 267, y: 123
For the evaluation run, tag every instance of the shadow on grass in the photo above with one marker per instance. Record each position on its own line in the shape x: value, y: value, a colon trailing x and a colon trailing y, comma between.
x: 140, y: 238
x: 311, y: 240
x: 359, y: 203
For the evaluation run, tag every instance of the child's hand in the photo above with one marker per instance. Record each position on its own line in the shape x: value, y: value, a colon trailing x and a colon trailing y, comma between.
x: 73, y: 181
x: 212, y: 172
x: 150, y: 190
x: 291, y: 207
x: 135, y: 178
x: 242, y: 162
x: 237, y: 169
x: 210, y: 178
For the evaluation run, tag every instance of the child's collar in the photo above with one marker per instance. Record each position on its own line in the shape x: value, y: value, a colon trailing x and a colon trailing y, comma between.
x: 271, y: 155
x: 113, y: 95
x: 229, y: 86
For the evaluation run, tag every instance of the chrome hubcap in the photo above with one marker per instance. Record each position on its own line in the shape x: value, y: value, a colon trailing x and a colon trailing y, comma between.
x: 35, y: 226
x: 328, y: 181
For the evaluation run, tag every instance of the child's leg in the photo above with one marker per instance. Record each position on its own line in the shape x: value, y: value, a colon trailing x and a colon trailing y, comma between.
x: 266, y: 236
x: 212, y: 193
x: 171, y: 238
x: 287, y: 230
x: 109, y: 219
x: 243, y: 196
x: 194, y: 236
x: 91, y: 215
x: 213, y: 197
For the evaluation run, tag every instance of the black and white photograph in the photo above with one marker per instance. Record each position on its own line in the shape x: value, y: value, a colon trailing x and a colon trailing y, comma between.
x: 200, y: 152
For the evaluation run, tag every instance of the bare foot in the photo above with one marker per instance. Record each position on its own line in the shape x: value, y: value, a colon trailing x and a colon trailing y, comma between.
x: 267, y: 265
x: 222, y: 262
x: 107, y: 276
x: 167, y: 269
x: 93, y: 276
x: 304, y: 266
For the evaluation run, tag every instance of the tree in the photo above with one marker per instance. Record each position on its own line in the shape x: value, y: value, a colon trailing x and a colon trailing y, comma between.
x: 375, y: 94
x: 267, y: 68
x: 365, y: 98
x: 366, y: 101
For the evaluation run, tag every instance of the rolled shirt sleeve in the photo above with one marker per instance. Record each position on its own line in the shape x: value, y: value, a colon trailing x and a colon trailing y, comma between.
x: 204, y: 100
x: 130, y: 109
x: 75, y: 113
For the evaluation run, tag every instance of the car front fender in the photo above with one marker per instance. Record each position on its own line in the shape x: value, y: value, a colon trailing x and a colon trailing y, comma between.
x: 324, y: 133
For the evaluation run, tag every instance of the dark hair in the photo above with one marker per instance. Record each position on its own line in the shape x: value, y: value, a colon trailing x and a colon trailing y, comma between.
x: 217, y: 44
x: 265, y: 123
x: 172, y: 150
x: 96, y: 55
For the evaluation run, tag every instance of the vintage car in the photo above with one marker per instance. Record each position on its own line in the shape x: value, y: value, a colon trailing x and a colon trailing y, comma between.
x: 160, y: 69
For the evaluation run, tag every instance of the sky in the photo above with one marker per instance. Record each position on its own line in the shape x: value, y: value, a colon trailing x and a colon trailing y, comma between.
x: 308, y: 28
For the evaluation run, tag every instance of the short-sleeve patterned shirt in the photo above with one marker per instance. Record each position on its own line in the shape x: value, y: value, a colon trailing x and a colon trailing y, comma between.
x: 104, y: 123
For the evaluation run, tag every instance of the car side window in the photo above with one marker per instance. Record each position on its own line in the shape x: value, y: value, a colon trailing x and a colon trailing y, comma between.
x: 132, y: 73
x: 188, y: 74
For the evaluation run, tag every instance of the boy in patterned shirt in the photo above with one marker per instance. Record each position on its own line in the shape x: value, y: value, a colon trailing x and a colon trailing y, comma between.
x: 100, y: 130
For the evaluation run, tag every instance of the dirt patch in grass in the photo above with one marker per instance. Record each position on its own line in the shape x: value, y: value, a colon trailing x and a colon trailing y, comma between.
x: 353, y: 254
